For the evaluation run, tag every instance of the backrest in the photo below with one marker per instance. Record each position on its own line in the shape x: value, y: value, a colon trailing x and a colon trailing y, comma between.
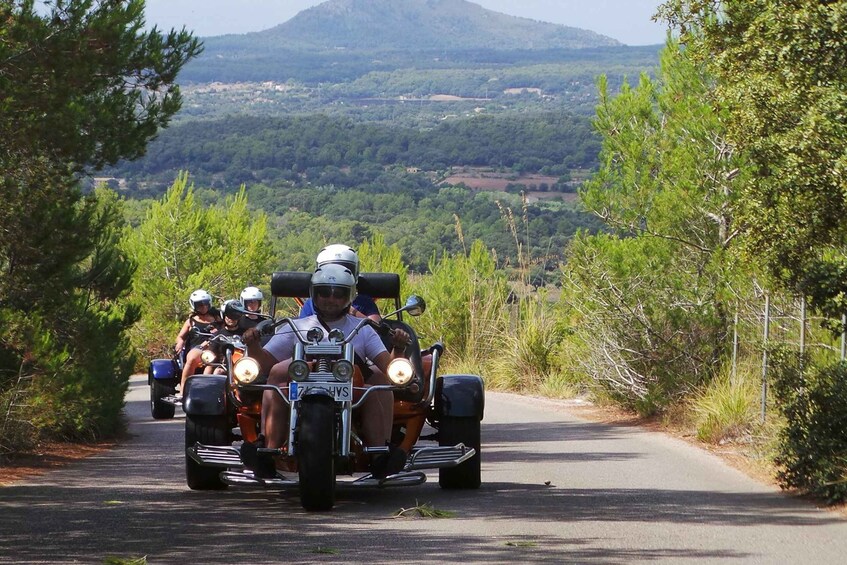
x: 295, y: 284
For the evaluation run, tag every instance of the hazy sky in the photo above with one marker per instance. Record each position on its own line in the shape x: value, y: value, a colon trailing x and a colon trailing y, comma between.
x: 628, y: 21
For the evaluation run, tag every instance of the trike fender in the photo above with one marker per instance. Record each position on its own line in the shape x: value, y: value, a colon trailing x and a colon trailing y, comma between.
x: 162, y: 370
x: 460, y: 396
x: 205, y: 395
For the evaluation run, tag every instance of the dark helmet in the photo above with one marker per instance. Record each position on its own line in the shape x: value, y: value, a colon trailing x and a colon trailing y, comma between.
x: 232, y: 309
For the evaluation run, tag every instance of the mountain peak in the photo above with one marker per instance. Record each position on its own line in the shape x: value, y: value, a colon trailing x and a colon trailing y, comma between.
x: 423, y: 24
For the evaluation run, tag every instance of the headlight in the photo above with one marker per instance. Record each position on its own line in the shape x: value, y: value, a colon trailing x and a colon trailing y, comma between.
x: 245, y: 370
x: 208, y: 356
x: 342, y: 370
x: 400, y: 371
x: 298, y: 370
x: 315, y: 335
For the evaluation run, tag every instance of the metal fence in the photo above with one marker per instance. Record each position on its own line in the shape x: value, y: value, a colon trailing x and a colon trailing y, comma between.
x: 776, y: 319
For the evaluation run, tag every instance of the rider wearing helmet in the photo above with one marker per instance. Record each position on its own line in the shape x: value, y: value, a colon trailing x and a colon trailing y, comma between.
x: 332, y: 290
x: 232, y: 314
x: 251, y: 298
x: 203, y: 319
x: 338, y: 254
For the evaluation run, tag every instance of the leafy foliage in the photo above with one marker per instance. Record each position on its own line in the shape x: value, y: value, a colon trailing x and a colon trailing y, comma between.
x: 812, y: 451
x: 228, y: 152
x: 466, y: 297
x: 649, y: 302
x: 83, y: 84
x: 780, y: 70
x: 530, y: 342
x: 80, y: 86
x: 181, y: 247
x: 64, y: 357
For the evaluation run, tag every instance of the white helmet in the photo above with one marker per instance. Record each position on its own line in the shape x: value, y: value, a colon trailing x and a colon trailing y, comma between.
x: 340, y: 255
x: 198, y: 297
x: 251, y: 293
x: 332, y: 276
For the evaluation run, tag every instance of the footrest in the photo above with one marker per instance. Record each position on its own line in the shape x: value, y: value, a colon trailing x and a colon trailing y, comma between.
x: 247, y: 478
x: 215, y: 455
x: 439, y: 457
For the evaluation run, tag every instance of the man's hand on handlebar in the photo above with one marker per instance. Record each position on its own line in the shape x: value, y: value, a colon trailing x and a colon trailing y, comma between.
x: 251, y: 336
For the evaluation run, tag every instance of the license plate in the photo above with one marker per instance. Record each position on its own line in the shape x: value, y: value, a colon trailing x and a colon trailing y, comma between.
x: 339, y: 391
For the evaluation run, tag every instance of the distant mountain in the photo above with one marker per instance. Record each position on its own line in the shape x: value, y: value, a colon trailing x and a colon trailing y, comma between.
x: 340, y: 41
x: 423, y: 24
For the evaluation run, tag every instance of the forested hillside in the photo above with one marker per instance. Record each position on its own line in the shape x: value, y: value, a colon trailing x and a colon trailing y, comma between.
x: 318, y: 149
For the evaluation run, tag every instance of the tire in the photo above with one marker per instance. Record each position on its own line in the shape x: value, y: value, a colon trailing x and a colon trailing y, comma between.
x: 316, y: 452
x: 208, y: 430
x: 453, y: 430
x: 159, y: 409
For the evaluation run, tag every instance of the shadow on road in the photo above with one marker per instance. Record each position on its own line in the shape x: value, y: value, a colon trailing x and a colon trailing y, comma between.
x: 133, y: 501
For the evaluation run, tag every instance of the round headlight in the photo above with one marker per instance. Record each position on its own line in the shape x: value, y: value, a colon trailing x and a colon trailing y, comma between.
x: 298, y: 370
x: 400, y: 371
x: 208, y: 356
x: 315, y: 335
x: 245, y: 370
x: 342, y: 370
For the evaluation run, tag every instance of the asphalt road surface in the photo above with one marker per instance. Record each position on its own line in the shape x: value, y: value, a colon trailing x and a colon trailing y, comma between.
x: 556, y: 489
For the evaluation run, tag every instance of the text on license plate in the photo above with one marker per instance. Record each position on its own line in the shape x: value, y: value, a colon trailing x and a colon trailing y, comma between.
x: 338, y: 391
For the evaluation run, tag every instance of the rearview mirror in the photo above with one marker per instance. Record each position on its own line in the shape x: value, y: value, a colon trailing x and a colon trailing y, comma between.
x: 415, y: 305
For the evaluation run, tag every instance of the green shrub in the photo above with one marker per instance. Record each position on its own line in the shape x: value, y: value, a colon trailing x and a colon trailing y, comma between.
x: 812, y: 447
x: 466, y: 298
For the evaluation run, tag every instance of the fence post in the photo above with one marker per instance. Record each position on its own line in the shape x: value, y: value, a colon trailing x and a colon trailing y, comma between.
x: 802, y: 329
x: 765, y: 354
x: 735, y: 346
x: 843, y: 336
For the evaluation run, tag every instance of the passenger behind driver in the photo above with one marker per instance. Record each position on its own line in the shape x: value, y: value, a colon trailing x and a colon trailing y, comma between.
x: 338, y: 254
x: 203, y: 319
x: 251, y: 298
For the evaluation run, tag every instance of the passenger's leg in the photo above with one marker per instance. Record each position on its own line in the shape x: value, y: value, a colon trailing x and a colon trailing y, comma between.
x: 377, y: 412
x: 275, y: 412
x: 192, y: 362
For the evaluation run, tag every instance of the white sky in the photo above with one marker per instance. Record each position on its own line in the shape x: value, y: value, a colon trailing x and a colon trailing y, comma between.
x: 628, y: 21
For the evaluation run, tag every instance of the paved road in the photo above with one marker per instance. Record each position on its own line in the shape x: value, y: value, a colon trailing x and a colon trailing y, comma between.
x: 616, y: 495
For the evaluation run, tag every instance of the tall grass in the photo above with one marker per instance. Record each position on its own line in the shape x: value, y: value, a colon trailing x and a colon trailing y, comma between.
x: 726, y: 409
x: 528, y: 356
x: 466, y: 297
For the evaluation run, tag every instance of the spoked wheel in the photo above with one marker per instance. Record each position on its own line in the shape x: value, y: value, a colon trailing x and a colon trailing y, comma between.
x: 208, y: 430
x: 316, y: 452
x: 159, y: 409
x: 453, y: 430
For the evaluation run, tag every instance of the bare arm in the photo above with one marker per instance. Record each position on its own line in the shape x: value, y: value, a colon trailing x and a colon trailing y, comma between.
x: 399, y: 340
x: 180, y: 338
x: 253, y: 340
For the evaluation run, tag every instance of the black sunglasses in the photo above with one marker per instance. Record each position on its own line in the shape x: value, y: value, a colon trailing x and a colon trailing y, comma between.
x: 334, y: 291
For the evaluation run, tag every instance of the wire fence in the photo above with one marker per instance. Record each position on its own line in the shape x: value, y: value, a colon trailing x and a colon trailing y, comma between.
x: 781, y: 320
